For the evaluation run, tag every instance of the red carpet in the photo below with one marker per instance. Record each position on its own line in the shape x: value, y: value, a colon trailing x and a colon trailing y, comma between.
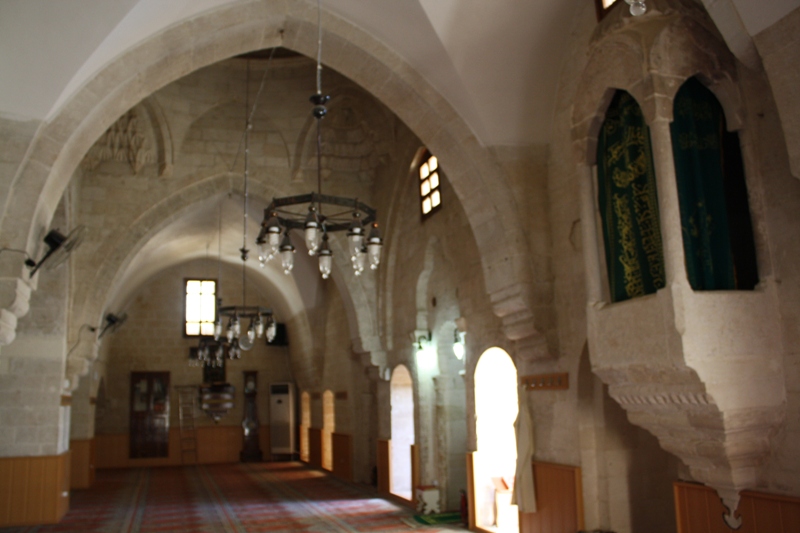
x: 264, y: 497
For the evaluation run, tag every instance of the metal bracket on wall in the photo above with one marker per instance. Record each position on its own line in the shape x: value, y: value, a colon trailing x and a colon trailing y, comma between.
x: 558, y: 381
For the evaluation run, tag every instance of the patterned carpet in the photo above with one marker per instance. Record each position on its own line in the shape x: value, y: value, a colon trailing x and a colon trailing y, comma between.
x: 262, y: 497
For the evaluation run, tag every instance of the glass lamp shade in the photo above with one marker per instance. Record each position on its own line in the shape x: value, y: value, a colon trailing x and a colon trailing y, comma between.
x: 325, y: 258
x: 265, y: 253
x: 251, y: 332
x: 229, y: 334
x: 272, y: 330
x: 638, y: 9
x: 245, y: 343
x: 374, y: 245
x: 217, y: 329
x: 270, y: 235
x: 220, y: 353
x: 325, y: 264
x: 237, y: 326
x: 287, y: 254
x: 312, y: 230
x: 312, y: 239
x: 258, y: 326
x: 355, y: 235
x: 458, y: 350
x: 359, y: 261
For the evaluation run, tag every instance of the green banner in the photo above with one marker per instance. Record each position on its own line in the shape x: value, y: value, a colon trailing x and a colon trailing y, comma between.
x: 628, y: 202
x: 698, y: 132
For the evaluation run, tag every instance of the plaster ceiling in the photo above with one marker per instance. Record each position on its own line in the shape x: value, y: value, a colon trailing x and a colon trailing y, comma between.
x: 496, y: 62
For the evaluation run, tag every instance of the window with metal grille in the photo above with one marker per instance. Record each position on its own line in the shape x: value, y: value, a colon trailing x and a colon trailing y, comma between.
x: 429, y: 180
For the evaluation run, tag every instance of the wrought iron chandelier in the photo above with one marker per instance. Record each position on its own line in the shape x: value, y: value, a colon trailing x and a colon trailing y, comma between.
x: 305, y: 212
x: 212, y: 351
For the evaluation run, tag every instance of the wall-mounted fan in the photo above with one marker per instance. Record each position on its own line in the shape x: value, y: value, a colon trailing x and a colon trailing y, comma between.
x: 59, y: 247
x: 113, y: 323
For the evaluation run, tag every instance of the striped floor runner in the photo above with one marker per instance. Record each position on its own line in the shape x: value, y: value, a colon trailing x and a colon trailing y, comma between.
x: 243, y: 498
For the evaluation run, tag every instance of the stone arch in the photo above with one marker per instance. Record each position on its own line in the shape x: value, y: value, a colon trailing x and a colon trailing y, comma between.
x: 651, y: 59
x: 90, y: 306
x: 61, y: 143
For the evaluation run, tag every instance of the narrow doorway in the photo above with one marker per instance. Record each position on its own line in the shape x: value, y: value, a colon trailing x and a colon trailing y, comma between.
x: 496, y: 408
x: 402, y: 400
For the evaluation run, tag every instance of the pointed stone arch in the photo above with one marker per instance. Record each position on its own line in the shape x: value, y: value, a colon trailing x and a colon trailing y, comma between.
x: 189, y: 45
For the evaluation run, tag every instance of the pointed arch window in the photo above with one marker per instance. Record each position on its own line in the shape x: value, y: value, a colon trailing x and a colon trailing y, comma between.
x: 715, y: 215
x: 628, y: 202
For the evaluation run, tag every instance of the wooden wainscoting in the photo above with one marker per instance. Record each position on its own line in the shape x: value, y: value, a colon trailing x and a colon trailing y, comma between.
x: 472, y: 521
x: 82, y: 463
x: 559, y: 500
x: 315, y: 447
x: 699, y: 509
x: 218, y: 444
x: 263, y: 441
x: 304, y: 453
x: 384, y: 458
x: 34, y: 490
x: 215, y: 444
x: 342, y: 456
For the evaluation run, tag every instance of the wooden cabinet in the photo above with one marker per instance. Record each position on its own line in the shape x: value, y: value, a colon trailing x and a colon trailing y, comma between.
x: 149, y: 420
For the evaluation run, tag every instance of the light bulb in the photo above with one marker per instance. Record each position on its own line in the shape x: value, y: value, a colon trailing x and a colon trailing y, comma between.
x: 237, y: 326
x: 218, y: 329
x: 638, y: 9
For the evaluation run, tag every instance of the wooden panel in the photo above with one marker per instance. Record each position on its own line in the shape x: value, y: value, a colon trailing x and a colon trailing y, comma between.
x: 219, y: 444
x: 263, y: 441
x: 384, y: 466
x: 34, y: 490
x: 304, y: 452
x: 471, y: 498
x: 699, y: 509
x: 82, y: 463
x: 559, y: 500
x: 315, y: 447
x: 215, y: 444
x: 342, y: 456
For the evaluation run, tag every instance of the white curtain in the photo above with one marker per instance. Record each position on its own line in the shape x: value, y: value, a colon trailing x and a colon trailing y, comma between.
x: 524, y: 493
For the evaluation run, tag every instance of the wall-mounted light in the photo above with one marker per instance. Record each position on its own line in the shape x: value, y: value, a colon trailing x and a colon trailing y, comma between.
x: 459, y: 348
x: 425, y: 350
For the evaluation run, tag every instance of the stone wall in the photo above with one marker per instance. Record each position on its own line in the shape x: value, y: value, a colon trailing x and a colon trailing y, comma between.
x: 152, y: 340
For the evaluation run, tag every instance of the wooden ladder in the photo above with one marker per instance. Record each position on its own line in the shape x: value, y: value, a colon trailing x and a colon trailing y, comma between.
x: 187, y: 402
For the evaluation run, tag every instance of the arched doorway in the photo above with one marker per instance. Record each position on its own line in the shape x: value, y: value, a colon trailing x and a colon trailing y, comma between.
x: 496, y: 408
x: 305, y: 423
x: 402, y: 399
x: 328, y: 427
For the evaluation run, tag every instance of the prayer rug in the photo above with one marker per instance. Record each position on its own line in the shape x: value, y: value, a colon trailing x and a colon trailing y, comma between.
x: 240, y: 498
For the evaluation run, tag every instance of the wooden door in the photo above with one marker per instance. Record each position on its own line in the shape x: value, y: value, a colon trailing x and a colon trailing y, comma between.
x: 149, y: 421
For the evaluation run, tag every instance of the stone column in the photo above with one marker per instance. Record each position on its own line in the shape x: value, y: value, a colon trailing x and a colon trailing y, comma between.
x: 35, y: 407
